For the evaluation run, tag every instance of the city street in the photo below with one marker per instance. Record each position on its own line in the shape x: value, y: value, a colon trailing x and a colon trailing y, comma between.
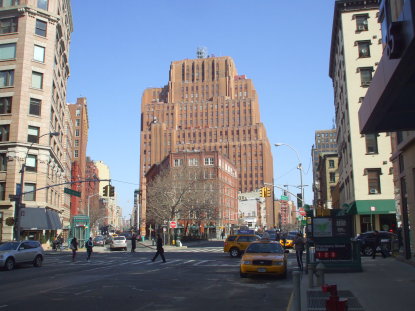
x: 200, y: 277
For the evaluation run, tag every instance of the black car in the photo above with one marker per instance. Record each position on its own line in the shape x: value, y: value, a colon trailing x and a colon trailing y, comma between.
x: 386, y: 240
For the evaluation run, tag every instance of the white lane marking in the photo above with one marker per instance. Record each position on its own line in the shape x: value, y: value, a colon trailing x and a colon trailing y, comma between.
x: 189, y: 261
x: 200, y: 262
x: 83, y: 292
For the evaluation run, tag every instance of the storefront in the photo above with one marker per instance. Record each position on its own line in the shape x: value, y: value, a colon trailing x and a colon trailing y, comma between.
x: 39, y: 224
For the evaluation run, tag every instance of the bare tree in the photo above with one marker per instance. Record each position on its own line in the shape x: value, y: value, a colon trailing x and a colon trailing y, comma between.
x: 184, y: 192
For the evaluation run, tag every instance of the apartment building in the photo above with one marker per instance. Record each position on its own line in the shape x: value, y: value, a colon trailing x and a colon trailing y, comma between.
x: 34, y: 50
x: 206, y: 106
x: 366, y: 188
x: 217, y: 175
x: 328, y: 177
x: 79, y: 116
x: 388, y: 105
x: 324, y: 141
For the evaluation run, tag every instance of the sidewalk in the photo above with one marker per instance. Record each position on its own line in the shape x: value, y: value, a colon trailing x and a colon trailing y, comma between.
x: 384, y: 285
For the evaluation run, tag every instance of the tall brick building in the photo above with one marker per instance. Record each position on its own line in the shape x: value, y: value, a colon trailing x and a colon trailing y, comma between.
x: 206, y: 106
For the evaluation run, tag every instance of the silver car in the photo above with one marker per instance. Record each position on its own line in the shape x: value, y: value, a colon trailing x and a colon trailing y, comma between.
x: 14, y: 253
x: 118, y: 242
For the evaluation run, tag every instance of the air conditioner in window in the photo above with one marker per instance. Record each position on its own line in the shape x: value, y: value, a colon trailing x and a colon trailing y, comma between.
x: 373, y: 191
x: 361, y: 27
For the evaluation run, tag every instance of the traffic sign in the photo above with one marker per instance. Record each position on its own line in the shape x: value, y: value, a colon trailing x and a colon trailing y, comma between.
x: 373, y: 208
x: 173, y: 224
x: 72, y: 192
x: 302, y: 212
x: 284, y: 198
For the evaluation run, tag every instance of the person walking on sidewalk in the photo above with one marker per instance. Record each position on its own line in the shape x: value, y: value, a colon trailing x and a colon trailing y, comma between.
x: 160, y: 249
x: 74, y: 247
x: 299, y: 243
x: 376, y: 244
x: 133, y: 243
x: 89, y: 245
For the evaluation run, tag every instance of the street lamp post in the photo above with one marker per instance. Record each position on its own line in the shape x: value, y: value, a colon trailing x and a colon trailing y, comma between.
x: 299, y: 167
x: 20, y: 193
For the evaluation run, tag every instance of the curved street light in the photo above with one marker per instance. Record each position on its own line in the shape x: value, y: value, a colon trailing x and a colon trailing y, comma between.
x: 299, y: 167
x: 20, y: 194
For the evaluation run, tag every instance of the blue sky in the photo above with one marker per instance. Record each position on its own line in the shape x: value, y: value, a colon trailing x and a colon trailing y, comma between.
x: 120, y: 48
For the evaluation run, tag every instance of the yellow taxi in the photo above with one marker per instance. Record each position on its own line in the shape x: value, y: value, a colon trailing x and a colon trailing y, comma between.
x: 236, y: 244
x: 289, y: 239
x: 264, y: 257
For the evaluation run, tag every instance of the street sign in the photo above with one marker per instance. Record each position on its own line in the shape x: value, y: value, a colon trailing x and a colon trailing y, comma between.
x: 284, y: 198
x: 373, y: 208
x: 72, y: 192
x: 302, y: 212
x: 173, y: 224
x: 13, y: 197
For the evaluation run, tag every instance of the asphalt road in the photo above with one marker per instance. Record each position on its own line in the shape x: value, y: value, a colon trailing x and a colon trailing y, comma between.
x: 200, y: 277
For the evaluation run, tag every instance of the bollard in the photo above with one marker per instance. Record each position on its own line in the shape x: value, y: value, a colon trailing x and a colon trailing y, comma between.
x: 296, y: 291
x: 311, y: 270
x: 320, y: 274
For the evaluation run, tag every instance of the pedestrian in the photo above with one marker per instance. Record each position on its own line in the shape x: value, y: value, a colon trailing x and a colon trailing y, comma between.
x: 74, y: 247
x: 299, y: 243
x: 89, y: 245
x: 222, y: 235
x: 160, y: 249
x: 133, y: 243
x: 376, y: 244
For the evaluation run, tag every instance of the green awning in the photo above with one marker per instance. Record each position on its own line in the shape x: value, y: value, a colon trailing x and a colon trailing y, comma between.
x: 363, y: 207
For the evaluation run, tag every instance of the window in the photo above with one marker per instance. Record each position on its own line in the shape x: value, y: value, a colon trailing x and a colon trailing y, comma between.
x: 4, y: 132
x: 178, y: 162
x: 7, y: 3
x: 78, y: 112
x: 371, y: 143
x: 32, y: 195
x: 331, y: 163
x: 7, y: 51
x: 37, y: 80
x: 8, y: 25
x: 35, y: 105
x: 366, y: 76
x: 5, y: 105
x: 193, y: 162
x: 6, y: 78
x: 39, y: 53
x: 76, y: 142
x: 78, y: 122
x: 40, y: 29
x: 2, y: 194
x: 76, y: 153
x: 209, y: 161
x: 33, y: 134
x: 332, y: 177
x: 77, y: 132
x: 42, y: 4
x: 361, y: 22
x: 31, y: 163
x: 3, y: 162
x: 373, y: 176
x: 364, y: 48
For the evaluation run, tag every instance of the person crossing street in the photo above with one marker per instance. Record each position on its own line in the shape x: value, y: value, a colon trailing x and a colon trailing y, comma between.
x: 89, y: 245
x: 160, y: 249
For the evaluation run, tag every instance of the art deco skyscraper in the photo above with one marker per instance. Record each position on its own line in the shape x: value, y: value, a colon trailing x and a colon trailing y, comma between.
x: 207, y: 106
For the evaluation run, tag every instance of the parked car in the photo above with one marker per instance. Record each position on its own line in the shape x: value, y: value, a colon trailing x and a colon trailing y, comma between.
x: 118, y: 242
x: 15, y: 253
x: 237, y: 243
x: 366, y: 240
x: 264, y: 257
x: 99, y: 241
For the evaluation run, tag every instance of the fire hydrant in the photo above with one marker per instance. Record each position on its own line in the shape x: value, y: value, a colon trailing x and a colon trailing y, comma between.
x: 334, y: 303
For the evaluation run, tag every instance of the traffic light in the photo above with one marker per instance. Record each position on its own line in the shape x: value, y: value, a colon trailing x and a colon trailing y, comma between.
x: 112, y: 188
x: 262, y: 192
x: 105, y: 189
x: 299, y: 200
x: 267, y: 192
